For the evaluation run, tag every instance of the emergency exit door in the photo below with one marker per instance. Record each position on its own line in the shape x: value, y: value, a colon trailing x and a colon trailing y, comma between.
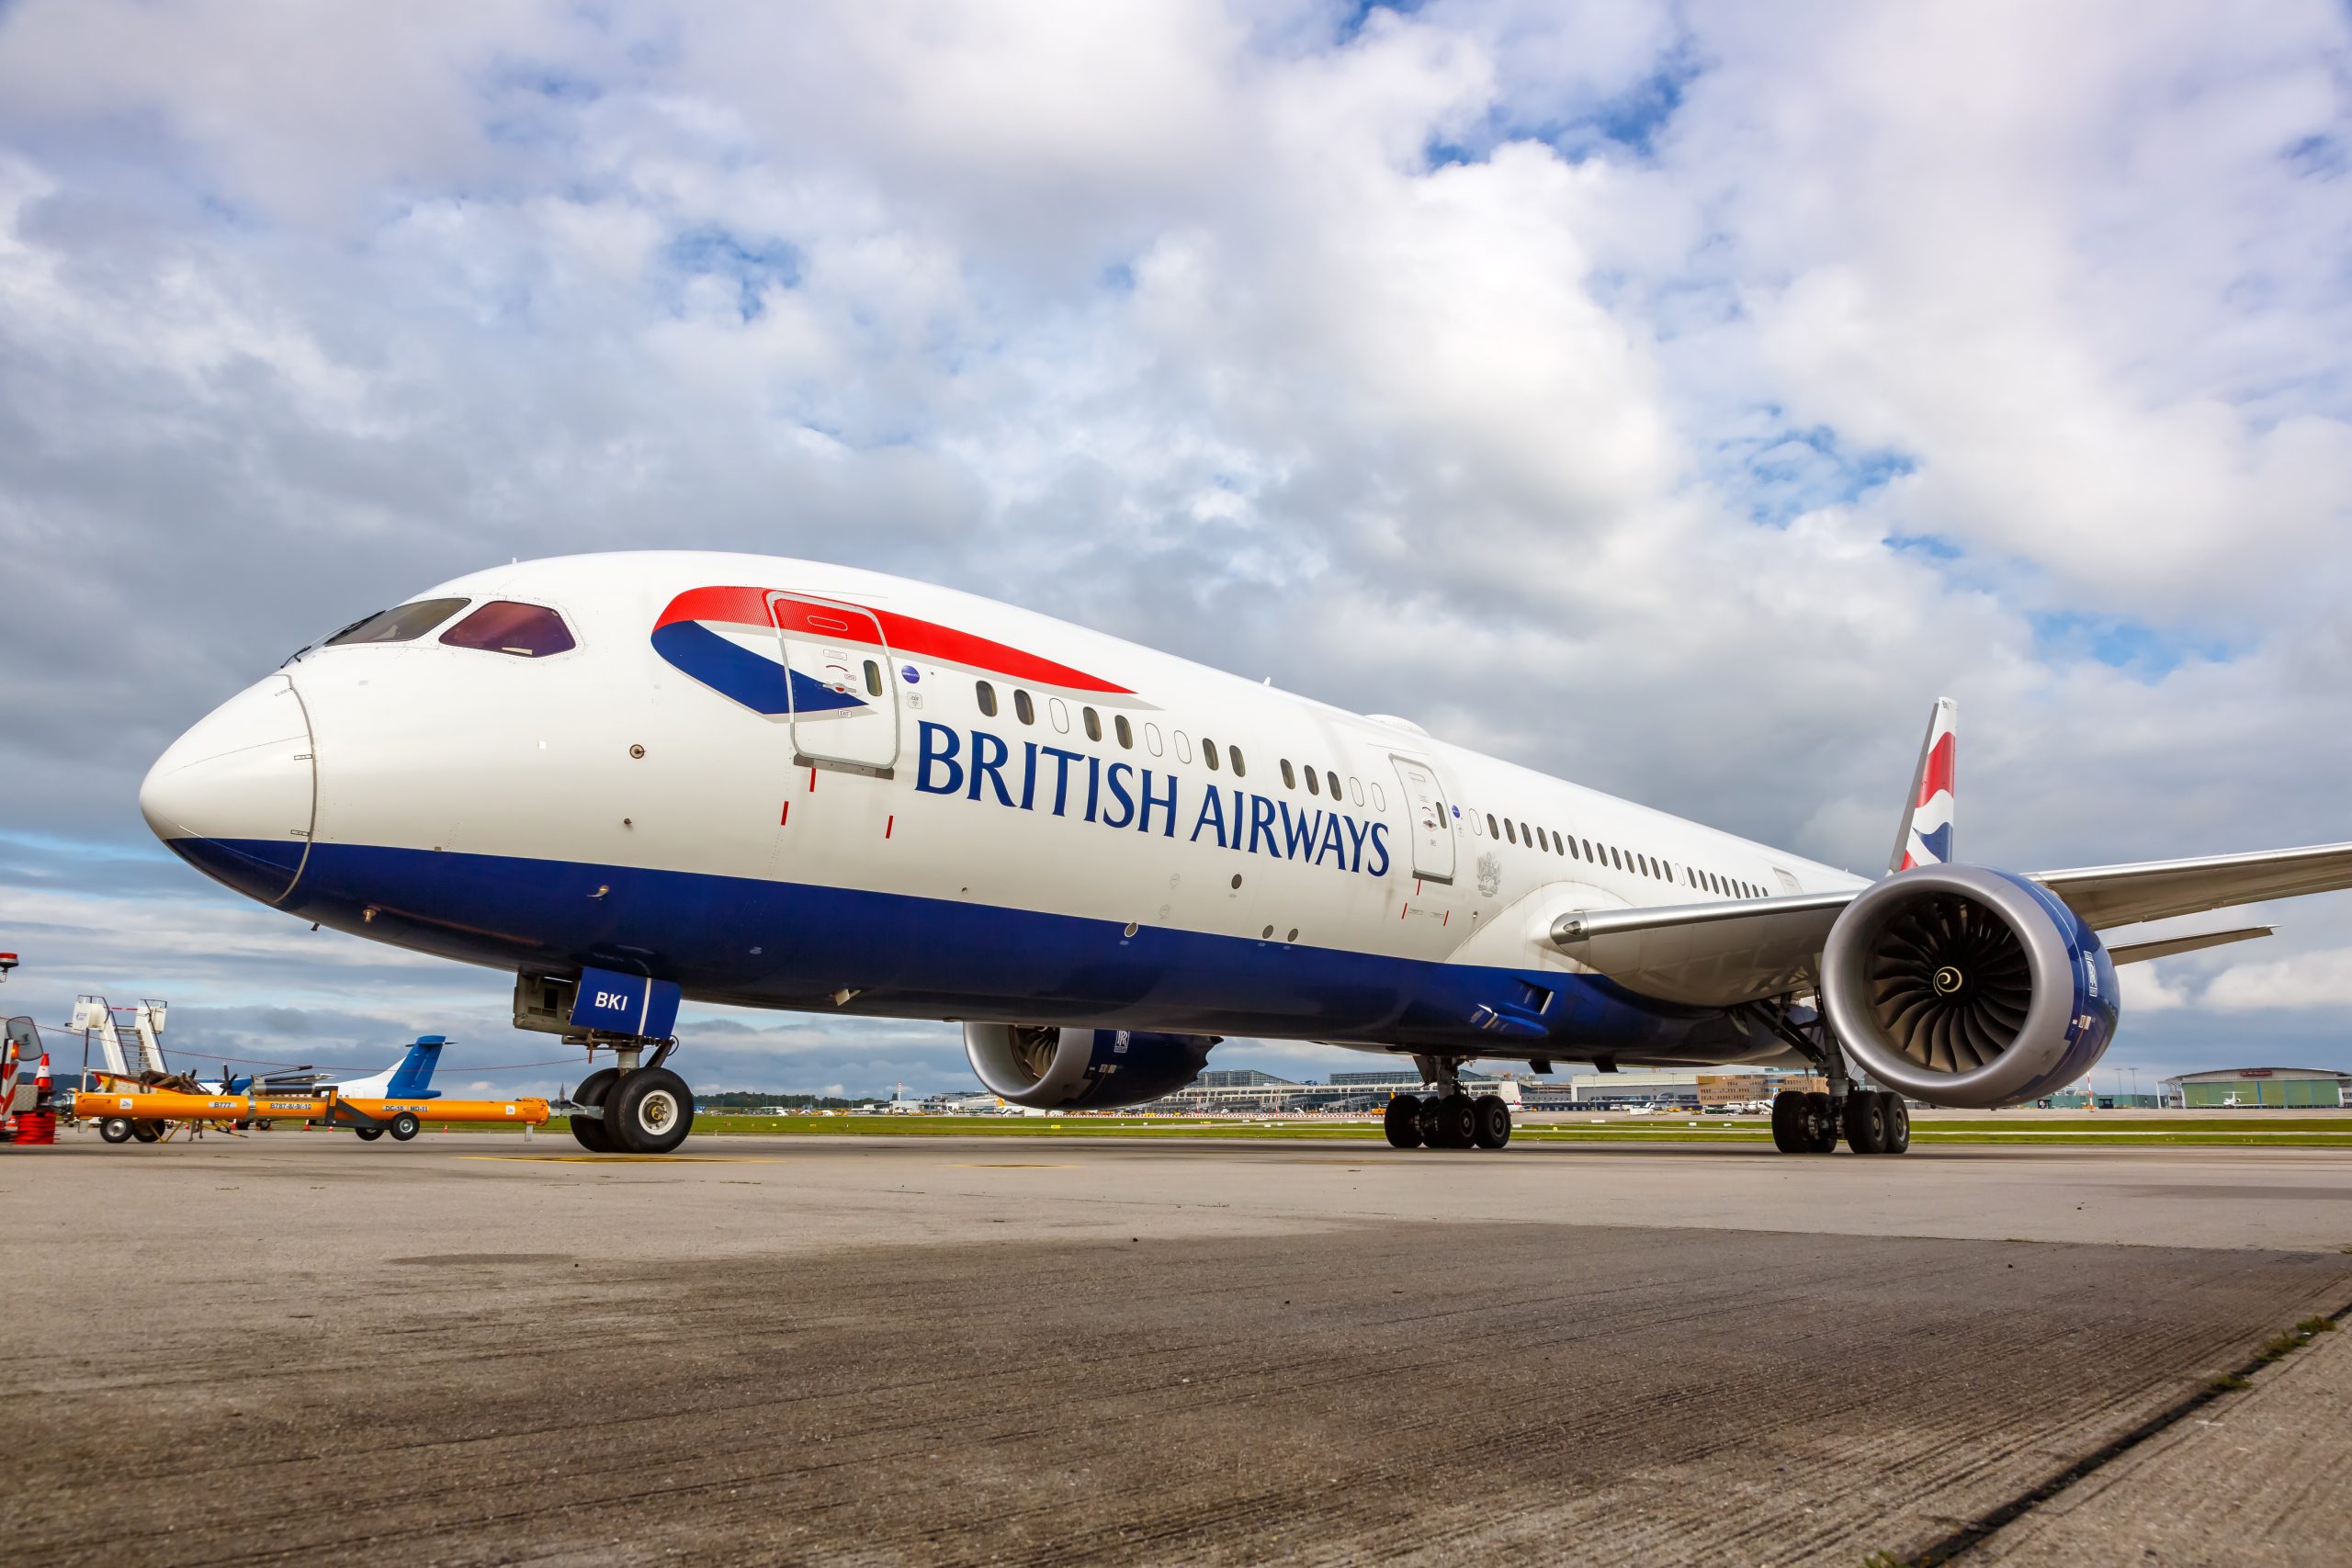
x: 837, y: 676
x: 1431, y: 825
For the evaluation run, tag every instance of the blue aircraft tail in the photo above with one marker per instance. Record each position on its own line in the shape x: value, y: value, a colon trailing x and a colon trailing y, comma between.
x: 416, y: 1072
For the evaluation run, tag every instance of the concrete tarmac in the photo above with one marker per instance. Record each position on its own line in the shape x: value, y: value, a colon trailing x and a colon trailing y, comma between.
x: 294, y: 1346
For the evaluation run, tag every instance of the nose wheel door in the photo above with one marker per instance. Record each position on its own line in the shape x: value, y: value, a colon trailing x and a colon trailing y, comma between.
x: 844, y: 705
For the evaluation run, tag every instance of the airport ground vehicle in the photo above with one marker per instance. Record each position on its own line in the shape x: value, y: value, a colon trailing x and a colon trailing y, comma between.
x: 634, y: 778
x: 124, y: 1113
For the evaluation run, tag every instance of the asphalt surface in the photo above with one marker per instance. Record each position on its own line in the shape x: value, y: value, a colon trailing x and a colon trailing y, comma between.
x: 475, y: 1348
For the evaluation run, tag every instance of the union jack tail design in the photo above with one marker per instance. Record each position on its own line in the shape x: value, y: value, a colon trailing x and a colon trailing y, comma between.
x: 1925, y: 837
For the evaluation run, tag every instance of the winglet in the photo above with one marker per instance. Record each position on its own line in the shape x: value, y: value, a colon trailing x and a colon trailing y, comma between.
x: 1925, y: 837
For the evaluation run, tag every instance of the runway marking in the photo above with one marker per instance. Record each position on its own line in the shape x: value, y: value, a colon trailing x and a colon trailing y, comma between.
x: 629, y: 1159
x: 1009, y: 1164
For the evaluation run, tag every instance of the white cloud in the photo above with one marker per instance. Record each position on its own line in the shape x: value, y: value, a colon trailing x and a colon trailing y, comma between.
x: 1591, y: 356
x: 2307, y: 980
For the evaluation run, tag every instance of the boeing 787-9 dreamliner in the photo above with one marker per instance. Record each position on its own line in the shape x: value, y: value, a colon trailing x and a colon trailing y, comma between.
x: 639, y: 777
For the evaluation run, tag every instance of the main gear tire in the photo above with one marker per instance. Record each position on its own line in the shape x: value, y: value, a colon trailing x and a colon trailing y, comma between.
x: 1865, y: 1120
x: 1898, y: 1123
x: 1457, y: 1122
x: 1821, y: 1122
x: 1402, y: 1121
x: 1789, y: 1133
x: 1490, y: 1120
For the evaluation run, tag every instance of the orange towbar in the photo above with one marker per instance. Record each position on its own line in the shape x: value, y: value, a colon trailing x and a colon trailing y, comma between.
x: 363, y: 1115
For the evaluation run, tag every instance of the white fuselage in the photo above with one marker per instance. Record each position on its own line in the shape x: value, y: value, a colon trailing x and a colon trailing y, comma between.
x: 710, y: 786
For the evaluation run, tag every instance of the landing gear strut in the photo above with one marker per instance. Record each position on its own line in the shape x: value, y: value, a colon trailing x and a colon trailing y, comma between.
x: 1450, y: 1119
x: 633, y: 1109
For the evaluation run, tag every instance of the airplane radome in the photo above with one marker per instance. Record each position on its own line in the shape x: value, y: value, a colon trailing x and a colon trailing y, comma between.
x: 635, y: 778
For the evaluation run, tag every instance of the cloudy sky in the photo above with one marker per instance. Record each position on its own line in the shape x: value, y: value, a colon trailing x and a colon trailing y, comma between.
x: 1676, y: 397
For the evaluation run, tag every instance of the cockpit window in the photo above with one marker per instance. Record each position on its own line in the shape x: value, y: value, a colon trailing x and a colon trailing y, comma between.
x: 527, y: 631
x: 402, y: 623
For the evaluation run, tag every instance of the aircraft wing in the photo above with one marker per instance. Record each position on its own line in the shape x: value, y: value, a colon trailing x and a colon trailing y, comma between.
x: 2121, y: 894
x: 1717, y: 954
x: 1738, y: 950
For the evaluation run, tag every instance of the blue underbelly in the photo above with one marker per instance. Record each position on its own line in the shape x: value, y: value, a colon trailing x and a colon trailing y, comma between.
x: 754, y: 943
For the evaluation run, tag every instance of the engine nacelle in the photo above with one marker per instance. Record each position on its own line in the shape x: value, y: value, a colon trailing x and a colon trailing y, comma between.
x: 1097, y: 1069
x: 1964, y: 986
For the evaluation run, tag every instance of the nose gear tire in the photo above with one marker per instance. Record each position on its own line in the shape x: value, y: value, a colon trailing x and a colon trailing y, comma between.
x: 648, y: 1111
x: 589, y: 1131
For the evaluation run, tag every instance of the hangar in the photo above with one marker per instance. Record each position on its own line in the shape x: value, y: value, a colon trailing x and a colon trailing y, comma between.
x: 2274, y: 1088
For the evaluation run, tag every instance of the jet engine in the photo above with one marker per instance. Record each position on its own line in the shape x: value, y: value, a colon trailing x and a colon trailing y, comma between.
x: 1963, y: 986
x: 1097, y: 1069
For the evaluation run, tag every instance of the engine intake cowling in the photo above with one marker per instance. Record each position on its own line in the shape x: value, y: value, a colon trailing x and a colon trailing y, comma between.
x: 1964, y: 986
x: 1066, y: 1069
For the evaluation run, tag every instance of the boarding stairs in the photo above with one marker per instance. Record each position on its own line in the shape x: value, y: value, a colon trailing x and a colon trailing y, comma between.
x: 129, y: 1039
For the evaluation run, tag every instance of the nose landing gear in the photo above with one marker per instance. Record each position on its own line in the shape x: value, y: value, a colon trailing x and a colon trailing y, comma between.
x: 632, y: 1109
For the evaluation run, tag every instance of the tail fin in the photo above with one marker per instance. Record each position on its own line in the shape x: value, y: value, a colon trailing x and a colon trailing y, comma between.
x: 415, y: 1071
x: 1925, y: 837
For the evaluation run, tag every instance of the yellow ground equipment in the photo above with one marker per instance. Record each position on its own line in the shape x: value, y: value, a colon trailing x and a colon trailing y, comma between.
x: 124, y: 1113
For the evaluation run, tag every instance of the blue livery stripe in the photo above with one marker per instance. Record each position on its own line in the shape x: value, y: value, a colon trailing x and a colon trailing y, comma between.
x: 931, y: 958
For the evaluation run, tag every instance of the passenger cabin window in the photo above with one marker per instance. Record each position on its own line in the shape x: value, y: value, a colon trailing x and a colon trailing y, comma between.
x: 502, y: 625
x: 1022, y: 708
x: 1208, y: 753
x: 1355, y: 789
x: 402, y: 623
x: 1183, y: 746
x: 1494, y: 829
x: 1508, y: 832
x: 1240, y: 768
x: 1331, y: 783
x: 1572, y: 850
x: 986, y: 694
x: 1127, y: 731
x: 873, y: 679
x: 1094, y: 723
x: 1379, y: 797
x: 1059, y: 712
x: 1312, y: 787
x: 1290, y: 775
x: 1151, y: 739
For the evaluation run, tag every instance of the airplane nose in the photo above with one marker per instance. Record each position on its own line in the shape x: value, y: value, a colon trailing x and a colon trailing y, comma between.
x: 236, y: 795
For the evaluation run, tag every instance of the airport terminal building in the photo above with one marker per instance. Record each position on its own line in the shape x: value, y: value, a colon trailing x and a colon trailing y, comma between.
x: 2260, y: 1089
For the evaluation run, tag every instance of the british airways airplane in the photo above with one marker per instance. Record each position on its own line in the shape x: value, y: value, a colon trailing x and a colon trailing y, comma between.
x: 634, y: 778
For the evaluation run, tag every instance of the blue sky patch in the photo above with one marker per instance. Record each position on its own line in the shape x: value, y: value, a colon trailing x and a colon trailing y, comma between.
x: 752, y: 264
x: 2148, y: 652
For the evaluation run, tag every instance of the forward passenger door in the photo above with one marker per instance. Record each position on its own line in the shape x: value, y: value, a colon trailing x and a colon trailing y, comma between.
x: 837, y: 674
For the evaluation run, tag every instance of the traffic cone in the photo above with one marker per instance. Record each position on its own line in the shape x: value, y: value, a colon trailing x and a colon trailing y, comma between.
x: 39, y: 1125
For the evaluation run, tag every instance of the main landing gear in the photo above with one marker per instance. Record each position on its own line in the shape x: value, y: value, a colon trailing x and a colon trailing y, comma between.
x: 1874, y: 1122
x: 632, y: 1109
x: 1449, y: 1119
